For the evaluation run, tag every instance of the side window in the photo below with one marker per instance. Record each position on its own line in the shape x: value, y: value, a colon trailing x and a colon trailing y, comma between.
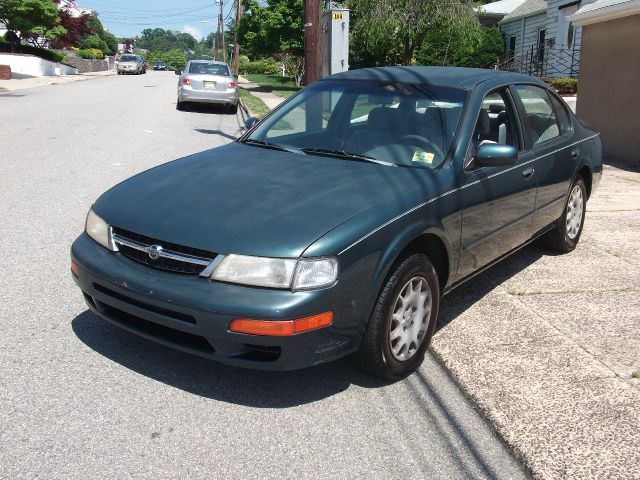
x: 496, y: 121
x: 543, y: 123
x: 564, y: 121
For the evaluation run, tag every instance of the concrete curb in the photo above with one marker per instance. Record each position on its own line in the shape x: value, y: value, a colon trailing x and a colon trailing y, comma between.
x: 23, y: 83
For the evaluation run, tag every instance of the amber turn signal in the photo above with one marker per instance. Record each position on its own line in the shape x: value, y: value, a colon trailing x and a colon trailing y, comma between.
x: 282, y: 328
x: 74, y: 268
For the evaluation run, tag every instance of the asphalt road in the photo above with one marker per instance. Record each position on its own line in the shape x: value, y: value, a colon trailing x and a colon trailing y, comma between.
x: 82, y: 399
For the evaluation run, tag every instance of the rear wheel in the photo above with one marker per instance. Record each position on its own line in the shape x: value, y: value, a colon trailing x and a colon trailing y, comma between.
x: 565, y: 236
x: 180, y: 105
x: 233, y: 108
x: 403, y: 320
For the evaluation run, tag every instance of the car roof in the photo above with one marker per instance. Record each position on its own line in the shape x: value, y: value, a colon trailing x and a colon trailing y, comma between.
x: 216, y: 62
x: 453, y: 76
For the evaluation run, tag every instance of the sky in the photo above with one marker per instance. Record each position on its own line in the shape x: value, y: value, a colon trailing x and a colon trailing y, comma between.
x: 127, y: 18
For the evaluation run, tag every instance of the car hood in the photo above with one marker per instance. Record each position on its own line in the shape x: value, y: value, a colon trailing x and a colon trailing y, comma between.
x: 256, y: 201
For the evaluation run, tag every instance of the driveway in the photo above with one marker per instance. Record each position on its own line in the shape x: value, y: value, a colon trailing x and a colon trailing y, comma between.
x: 83, y: 399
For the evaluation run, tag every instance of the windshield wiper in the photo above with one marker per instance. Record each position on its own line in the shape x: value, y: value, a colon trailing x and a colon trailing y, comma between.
x: 348, y: 155
x: 273, y: 146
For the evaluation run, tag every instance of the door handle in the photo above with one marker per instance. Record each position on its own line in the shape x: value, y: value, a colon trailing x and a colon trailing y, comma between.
x: 527, y: 172
x: 575, y: 152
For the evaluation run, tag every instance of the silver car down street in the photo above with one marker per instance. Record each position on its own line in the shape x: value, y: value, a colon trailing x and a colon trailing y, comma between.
x: 204, y: 81
x: 131, y: 64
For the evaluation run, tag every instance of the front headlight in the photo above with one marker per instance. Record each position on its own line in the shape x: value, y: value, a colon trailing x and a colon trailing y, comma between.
x: 301, y: 274
x: 98, y: 229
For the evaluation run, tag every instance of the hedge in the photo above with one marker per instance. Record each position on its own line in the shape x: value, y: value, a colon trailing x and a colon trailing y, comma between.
x: 267, y: 66
x: 29, y: 50
x: 565, y: 86
x: 90, y: 53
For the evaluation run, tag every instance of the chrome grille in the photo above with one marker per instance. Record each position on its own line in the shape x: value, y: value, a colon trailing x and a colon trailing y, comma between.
x: 160, y: 254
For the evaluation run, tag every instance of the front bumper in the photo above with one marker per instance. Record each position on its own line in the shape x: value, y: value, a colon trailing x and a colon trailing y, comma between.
x: 193, y: 314
x: 188, y: 94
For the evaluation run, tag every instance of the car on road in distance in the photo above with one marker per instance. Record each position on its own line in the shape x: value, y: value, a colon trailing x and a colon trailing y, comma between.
x: 334, y: 225
x: 160, y: 65
x: 130, y: 63
x: 205, y: 81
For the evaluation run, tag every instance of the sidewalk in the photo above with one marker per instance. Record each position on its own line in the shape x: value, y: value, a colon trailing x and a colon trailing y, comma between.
x: 22, y: 83
x: 270, y: 99
x: 547, y: 345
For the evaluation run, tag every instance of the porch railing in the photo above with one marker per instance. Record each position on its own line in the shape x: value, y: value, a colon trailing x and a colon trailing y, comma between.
x: 542, y: 61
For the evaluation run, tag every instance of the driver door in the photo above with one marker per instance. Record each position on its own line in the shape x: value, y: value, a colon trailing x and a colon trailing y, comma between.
x: 497, y: 202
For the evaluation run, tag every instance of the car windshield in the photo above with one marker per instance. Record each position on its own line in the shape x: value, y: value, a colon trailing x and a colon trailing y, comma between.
x: 159, y: 63
x: 209, y: 69
x: 393, y: 123
x: 129, y: 58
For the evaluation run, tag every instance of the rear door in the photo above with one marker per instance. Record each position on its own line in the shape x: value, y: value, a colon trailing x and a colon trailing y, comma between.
x: 497, y: 202
x: 548, y: 135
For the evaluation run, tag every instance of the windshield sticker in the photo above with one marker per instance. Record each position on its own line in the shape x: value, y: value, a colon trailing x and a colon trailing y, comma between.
x: 423, y: 157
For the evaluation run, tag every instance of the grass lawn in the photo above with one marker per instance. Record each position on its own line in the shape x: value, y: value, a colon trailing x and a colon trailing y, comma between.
x: 253, y: 103
x: 281, y: 86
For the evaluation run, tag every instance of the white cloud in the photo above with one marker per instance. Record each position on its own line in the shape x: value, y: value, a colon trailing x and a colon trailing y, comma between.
x: 195, y: 32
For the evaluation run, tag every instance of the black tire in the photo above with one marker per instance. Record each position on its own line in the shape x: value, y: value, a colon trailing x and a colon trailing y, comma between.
x: 559, y: 238
x: 374, y: 355
x: 233, y: 109
x: 180, y: 106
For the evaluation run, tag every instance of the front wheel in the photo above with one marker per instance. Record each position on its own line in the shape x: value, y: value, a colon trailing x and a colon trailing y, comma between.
x: 566, y: 234
x: 403, y: 320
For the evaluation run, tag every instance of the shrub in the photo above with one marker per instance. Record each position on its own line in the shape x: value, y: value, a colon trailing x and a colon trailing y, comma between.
x: 93, y: 42
x: 565, y: 86
x: 43, y: 53
x: 90, y: 53
x: 267, y: 66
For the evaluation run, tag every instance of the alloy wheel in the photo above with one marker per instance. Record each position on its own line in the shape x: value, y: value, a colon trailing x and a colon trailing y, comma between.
x: 410, y: 318
x: 575, y: 212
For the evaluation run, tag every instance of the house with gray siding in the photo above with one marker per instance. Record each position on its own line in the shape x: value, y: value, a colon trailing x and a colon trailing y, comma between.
x: 540, y: 39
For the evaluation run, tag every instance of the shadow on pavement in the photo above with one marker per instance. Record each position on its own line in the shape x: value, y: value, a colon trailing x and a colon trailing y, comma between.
x: 206, y: 108
x: 459, y: 300
x: 217, y: 132
x: 210, y: 379
x: 263, y: 389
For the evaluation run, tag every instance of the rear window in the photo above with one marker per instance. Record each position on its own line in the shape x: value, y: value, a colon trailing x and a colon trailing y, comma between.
x: 209, y: 69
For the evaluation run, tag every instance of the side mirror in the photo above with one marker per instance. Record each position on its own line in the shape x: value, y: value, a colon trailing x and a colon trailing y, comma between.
x: 178, y: 72
x: 250, y: 121
x: 496, y: 155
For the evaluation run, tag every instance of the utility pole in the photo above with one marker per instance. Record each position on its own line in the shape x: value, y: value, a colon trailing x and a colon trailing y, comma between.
x: 312, y: 42
x: 224, y: 52
x: 236, y: 47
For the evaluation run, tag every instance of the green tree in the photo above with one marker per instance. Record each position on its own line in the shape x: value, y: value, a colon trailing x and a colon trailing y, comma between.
x: 389, y: 32
x: 271, y: 27
x: 158, y: 39
x: 443, y: 46
x: 30, y: 18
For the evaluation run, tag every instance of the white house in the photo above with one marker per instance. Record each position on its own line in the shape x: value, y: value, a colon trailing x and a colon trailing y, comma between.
x: 541, y: 40
x: 73, y: 8
x: 491, y: 13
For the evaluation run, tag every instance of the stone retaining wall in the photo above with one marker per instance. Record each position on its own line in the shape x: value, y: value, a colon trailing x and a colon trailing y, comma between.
x: 87, y: 65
